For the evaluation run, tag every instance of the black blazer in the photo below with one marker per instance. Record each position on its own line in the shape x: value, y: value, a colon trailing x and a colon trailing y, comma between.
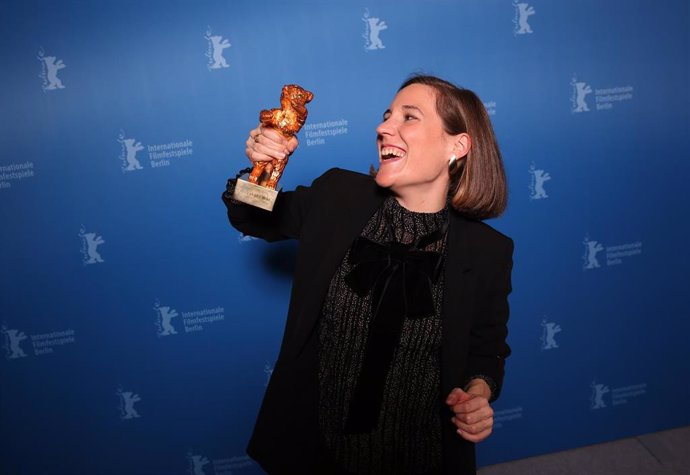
x: 325, y: 218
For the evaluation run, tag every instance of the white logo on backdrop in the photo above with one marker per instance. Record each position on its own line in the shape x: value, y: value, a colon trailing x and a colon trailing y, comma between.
x: 317, y: 133
x: 128, y: 155
x: 604, y: 98
x: 165, y: 315
x: 536, y: 187
x: 216, y: 45
x: 614, y: 255
x: 548, y: 342
x: 89, y: 245
x: 127, y: 401
x: 15, y: 172
x: 159, y: 155
x: 580, y: 91
x: 191, y: 321
x: 13, y: 338
x: 592, y: 248
x: 268, y: 370
x: 196, y: 464
x: 597, y: 397
x: 617, y: 395
x: 505, y: 416
x: 522, y: 12
x: 373, y: 27
x: 42, y: 343
x: 220, y: 466
x: 50, y: 67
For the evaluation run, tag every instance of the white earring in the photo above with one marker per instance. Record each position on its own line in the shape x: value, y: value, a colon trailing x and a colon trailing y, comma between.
x: 452, y: 160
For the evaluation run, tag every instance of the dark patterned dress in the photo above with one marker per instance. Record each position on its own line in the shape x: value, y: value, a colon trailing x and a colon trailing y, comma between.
x: 406, y: 438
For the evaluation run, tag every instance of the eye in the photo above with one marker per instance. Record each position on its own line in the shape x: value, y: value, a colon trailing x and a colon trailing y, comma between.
x: 409, y: 117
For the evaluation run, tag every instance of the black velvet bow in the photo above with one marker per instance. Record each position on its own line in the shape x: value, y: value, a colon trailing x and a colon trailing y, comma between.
x: 400, y: 278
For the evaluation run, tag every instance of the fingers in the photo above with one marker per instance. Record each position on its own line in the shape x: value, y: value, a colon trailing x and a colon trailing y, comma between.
x: 260, y: 147
x: 474, y: 429
x: 475, y: 417
x: 470, y: 406
x: 472, y: 415
x: 457, y: 396
x: 266, y: 144
x: 272, y: 135
x: 292, y: 144
x: 476, y: 432
x: 475, y: 426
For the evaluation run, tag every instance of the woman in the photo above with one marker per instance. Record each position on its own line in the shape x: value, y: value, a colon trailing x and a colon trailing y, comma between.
x: 395, y: 338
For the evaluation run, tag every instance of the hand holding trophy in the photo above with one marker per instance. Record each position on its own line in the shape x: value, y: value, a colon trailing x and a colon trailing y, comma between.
x: 260, y: 189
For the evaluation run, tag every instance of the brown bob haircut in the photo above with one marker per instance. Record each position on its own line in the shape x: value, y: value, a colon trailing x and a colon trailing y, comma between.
x: 478, y: 185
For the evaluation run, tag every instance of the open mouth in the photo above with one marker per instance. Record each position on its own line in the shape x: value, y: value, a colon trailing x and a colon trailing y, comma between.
x: 389, y: 153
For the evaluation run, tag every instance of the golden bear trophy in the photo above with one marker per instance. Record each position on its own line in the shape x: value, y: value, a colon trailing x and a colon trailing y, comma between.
x: 260, y: 190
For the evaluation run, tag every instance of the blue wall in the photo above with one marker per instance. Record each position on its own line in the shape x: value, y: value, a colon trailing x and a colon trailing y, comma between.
x: 139, y: 329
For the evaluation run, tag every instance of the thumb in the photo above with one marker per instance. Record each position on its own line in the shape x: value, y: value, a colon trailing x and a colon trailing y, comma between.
x: 457, y: 396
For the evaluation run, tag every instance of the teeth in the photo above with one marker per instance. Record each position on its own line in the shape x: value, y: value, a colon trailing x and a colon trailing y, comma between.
x: 392, y: 151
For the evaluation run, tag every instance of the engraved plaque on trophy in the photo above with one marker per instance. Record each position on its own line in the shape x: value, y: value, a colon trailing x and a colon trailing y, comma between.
x: 260, y: 188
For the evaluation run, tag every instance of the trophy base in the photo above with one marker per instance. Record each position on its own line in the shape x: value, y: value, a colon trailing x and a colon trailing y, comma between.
x: 255, y: 195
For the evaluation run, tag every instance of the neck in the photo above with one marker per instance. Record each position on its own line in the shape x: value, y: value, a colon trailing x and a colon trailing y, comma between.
x: 422, y: 201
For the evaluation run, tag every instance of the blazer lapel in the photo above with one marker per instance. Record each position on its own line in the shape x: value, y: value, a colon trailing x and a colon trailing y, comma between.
x: 457, y: 303
x: 334, y: 236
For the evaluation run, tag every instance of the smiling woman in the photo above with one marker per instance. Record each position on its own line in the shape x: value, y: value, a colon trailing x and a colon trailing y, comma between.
x: 396, y: 333
x: 449, y: 128
x: 414, y: 150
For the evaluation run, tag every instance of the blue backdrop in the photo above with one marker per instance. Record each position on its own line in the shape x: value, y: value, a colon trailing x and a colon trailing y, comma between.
x: 139, y: 329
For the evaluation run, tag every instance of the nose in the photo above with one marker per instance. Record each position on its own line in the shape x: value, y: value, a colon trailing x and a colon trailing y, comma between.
x: 385, y: 128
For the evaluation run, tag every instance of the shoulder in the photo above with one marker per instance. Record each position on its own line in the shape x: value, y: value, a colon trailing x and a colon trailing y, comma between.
x: 340, y: 175
x: 484, y: 237
x: 340, y: 182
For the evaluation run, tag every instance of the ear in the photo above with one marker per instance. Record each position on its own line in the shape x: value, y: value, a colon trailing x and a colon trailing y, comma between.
x: 462, y: 143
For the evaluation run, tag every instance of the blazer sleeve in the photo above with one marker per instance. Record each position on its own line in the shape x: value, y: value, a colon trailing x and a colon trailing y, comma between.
x: 488, y: 346
x: 285, y: 221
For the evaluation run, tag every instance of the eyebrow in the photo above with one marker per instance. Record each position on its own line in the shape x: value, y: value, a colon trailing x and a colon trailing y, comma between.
x: 413, y: 108
x: 405, y: 107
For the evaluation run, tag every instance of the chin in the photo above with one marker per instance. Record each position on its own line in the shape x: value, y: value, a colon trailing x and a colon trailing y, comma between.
x: 383, y: 179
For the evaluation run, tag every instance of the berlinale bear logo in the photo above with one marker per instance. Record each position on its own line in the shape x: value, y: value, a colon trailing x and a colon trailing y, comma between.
x: 13, y: 338
x: 128, y: 155
x: 196, y: 464
x: 165, y: 315
x: 216, y: 45
x: 127, y: 400
x: 548, y: 340
x: 597, y: 397
x: 51, y: 66
x: 580, y: 92
x: 371, y: 32
x: 539, y: 177
x: 89, y: 245
x: 592, y: 248
x: 522, y: 12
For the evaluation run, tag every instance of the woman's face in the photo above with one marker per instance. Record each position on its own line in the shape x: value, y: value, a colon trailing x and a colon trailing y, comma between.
x: 414, y: 148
